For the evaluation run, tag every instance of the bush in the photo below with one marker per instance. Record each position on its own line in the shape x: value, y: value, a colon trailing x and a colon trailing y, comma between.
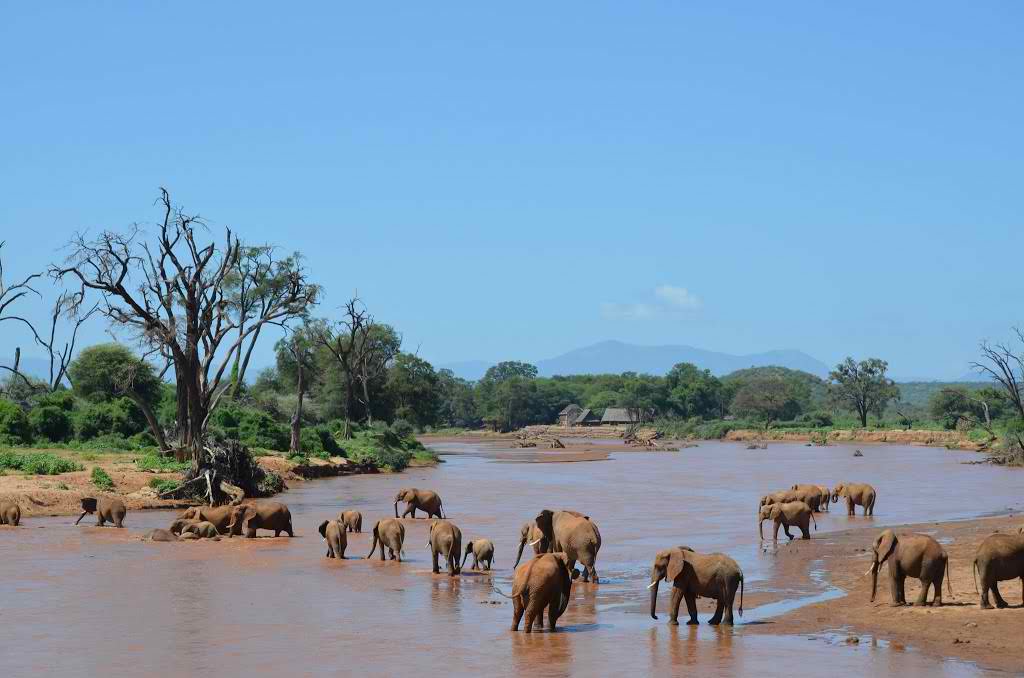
x: 62, y: 400
x: 402, y: 428
x: 120, y: 417
x: 38, y: 463
x: 252, y: 428
x: 15, y: 428
x: 1011, y: 450
x: 50, y: 423
x: 270, y: 484
x: 817, y: 419
x: 101, y: 479
x: 162, y: 485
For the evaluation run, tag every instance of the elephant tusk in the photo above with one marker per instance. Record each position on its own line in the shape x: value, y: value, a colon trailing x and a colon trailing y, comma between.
x: 652, y: 584
x: 870, y: 570
x: 534, y: 542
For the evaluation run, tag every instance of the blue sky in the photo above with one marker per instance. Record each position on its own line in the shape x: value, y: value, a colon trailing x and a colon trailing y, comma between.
x: 515, y: 183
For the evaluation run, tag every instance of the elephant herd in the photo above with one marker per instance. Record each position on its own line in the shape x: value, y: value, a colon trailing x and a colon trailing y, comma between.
x: 561, y: 539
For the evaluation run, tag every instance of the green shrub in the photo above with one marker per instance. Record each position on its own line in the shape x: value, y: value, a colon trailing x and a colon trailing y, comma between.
x: 718, y: 429
x: 62, y: 400
x: 270, y: 484
x: 15, y: 428
x: 50, y: 423
x: 101, y: 479
x: 402, y: 428
x: 251, y: 427
x: 118, y: 417
x: 817, y: 419
x: 37, y: 463
x: 162, y: 485
x: 158, y: 464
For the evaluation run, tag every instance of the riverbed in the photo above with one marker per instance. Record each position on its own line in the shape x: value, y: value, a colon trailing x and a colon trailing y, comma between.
x: 85, y: 600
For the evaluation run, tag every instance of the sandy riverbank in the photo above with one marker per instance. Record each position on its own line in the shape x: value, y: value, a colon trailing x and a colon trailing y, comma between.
x: 960, y: 629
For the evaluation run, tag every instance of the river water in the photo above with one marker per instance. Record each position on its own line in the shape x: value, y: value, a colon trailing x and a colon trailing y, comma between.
x: 89, y: 601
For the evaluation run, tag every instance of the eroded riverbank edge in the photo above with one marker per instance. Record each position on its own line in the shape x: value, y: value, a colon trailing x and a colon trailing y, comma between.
x: 957, y: 630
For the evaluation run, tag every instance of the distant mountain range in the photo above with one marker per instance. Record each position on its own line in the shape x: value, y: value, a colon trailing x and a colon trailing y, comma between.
x: 615, y: 357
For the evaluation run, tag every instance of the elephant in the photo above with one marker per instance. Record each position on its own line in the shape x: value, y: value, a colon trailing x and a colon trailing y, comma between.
x: 202, y: 529
x: 333, y: 532
x: 810, y: 495
x: 999, y: 557
x: 796, y: 513
x: 389, y: 532
x: 824, y: 495
x: 483, y: 554
x: 427, y: 501
x: 545, y: 581
x: 910, y: 555
x: 267, y: 515
x: 352, y: 520
x: 574, y: 534
x: 529, y: 532
x: 857, y: 494
x: 445, y: 539
x: 10, y: 513
x: 220, y: 516
x: 160, y: 534
x: 694, y: 575
x: 189, y: 536
x: 106, y: 510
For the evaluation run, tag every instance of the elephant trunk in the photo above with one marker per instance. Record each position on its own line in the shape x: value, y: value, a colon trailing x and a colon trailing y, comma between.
x: 85, y: 512
x: 874, y: 579
x: 396, y: 508
x: 522, y: 543
x: 464, y: 559
x: 760, y: 528
x: 654, y: 597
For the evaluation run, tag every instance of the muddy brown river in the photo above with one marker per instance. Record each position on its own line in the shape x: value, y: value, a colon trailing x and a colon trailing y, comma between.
x: 96, y: 601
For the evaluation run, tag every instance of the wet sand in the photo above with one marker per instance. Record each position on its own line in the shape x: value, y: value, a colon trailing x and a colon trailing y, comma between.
x: 89, y: 600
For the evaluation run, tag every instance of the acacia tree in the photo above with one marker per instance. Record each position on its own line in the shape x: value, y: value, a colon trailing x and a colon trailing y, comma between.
x: 767, y: 397
x: 173, y: 292
x: 345, y: 340
x: 1006, y: 367
x: 862, y: 386
x: 380, y: 345
x: 296, y: 354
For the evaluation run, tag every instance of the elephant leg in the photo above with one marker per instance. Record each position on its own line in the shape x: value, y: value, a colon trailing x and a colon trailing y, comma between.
x: 716, y: 618
x: 342, y: 556
x: 589, y: 570
x: 533, y: 610
x: 894, y: 587
x: 922, y: 597
x: 775, y: 535
x: 691, y: 608
x: 517, y: 612
x: 435, y: 569
x: 785, y: 528
x: 805, y: 531
x: 984, y: 604
x: 277, y: 533
x: 1000, y: 603
x: 677, y: 597
x: 329, y: 550
x: 552, y: 613
x: 730, y: 599
x: 901, y: 582
x: 850, y: 507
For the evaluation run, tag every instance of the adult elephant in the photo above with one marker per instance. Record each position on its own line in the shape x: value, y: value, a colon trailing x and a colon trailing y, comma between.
x: 352, y: 520
x: 427, y: 501
x: 445, y: 539
x: 10, y: 513
x: 910, y: 555
x: 824, y: 495
x: 389, y: 532
x: 333, y: 532
x: 267, y: 515
x: 529, y: 533
x: 545, y: 581
x: 573, y: 534
x: 857, y: 494
x: 697, y: 575
x: 106, y: 510
x: 791, y: 513
x: 220, y: 516
x: 999, y: 557
x: 810, y: 495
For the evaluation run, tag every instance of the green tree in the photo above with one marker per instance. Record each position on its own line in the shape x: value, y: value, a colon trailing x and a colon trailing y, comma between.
x: 414, y: 386
x: 295, y: 355
x: 862, y: 386
x: 456, y: 405
x: 106, y: 372
x: 693, y: 392
x: 767, y: 398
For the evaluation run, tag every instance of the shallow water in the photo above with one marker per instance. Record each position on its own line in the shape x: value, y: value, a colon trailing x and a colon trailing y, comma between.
x: 85, y: 600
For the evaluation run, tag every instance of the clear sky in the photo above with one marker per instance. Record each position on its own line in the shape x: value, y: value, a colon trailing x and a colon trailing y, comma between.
x: 842, y: 178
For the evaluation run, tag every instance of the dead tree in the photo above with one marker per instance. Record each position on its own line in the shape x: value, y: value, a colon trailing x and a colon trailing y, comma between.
x: 379, y: 348
x: 346, y: 340
x: 1007, y: 368
x: 173, y: 293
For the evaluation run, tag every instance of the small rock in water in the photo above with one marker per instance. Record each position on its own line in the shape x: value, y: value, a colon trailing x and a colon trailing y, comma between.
x: 852, y: 640
x: 858, y: 453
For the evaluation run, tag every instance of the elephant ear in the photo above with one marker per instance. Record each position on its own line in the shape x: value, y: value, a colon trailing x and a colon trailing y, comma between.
x: 676, y: 564
x: 884, y: 545
x: 545, y: 521
x: 775, y: 512
x: 323, y: 529
x: 89, y: 504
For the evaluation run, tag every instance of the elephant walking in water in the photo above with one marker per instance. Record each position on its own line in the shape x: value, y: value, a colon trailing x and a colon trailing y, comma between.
x: 795, y: 513
x: 910, y: 555
x: 445, y: 540
x: 333, y: 532
x: 695, y: 575
x: 529, y: 533
x: 857, y: 494
x: 542, y: 582
x: 352, y: 520
x: 999, y: 557
x: 389, y: 532
x: 106, y: 510
x: 10, y: 513
x: 483, y: 554
x: 573, y: 534
x: 427, y: 501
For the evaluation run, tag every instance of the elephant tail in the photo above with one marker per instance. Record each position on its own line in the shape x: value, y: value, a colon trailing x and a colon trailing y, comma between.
x: 499, y: 592
x: 949, y: 583
x: 814, y: 521
x: 974, y: 573
x: 373, y: 548
x: 741, y: 594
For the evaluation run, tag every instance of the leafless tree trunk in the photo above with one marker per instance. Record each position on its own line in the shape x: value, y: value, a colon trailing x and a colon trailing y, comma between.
x: 296, y: 440
x: 346, y: 341
x: 1006, y: 367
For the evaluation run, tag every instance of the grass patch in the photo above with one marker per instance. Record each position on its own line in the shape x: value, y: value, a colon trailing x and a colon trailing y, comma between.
x: 158, y: 464
x: 162, y: 485
x: 38, y: 463
x: 101, y: 479
x: 385, y: 449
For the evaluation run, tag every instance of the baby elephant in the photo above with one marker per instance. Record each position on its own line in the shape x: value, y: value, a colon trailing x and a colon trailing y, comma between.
x: 352, y: 520
x: 10, y: 513
x: 106, y: 510
x: 694, y: 575
x: 796, y: 513
x: 160, y: 534
x: 201, y: 528
x: 445, y: 540
x: 483, y: 553
x: 999, y: 557
x: 910, y: 555
x: 542, y: 582
x: 333, y: 532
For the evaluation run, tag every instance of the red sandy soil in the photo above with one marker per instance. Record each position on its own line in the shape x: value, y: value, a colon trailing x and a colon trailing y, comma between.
x: 960, y: 628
